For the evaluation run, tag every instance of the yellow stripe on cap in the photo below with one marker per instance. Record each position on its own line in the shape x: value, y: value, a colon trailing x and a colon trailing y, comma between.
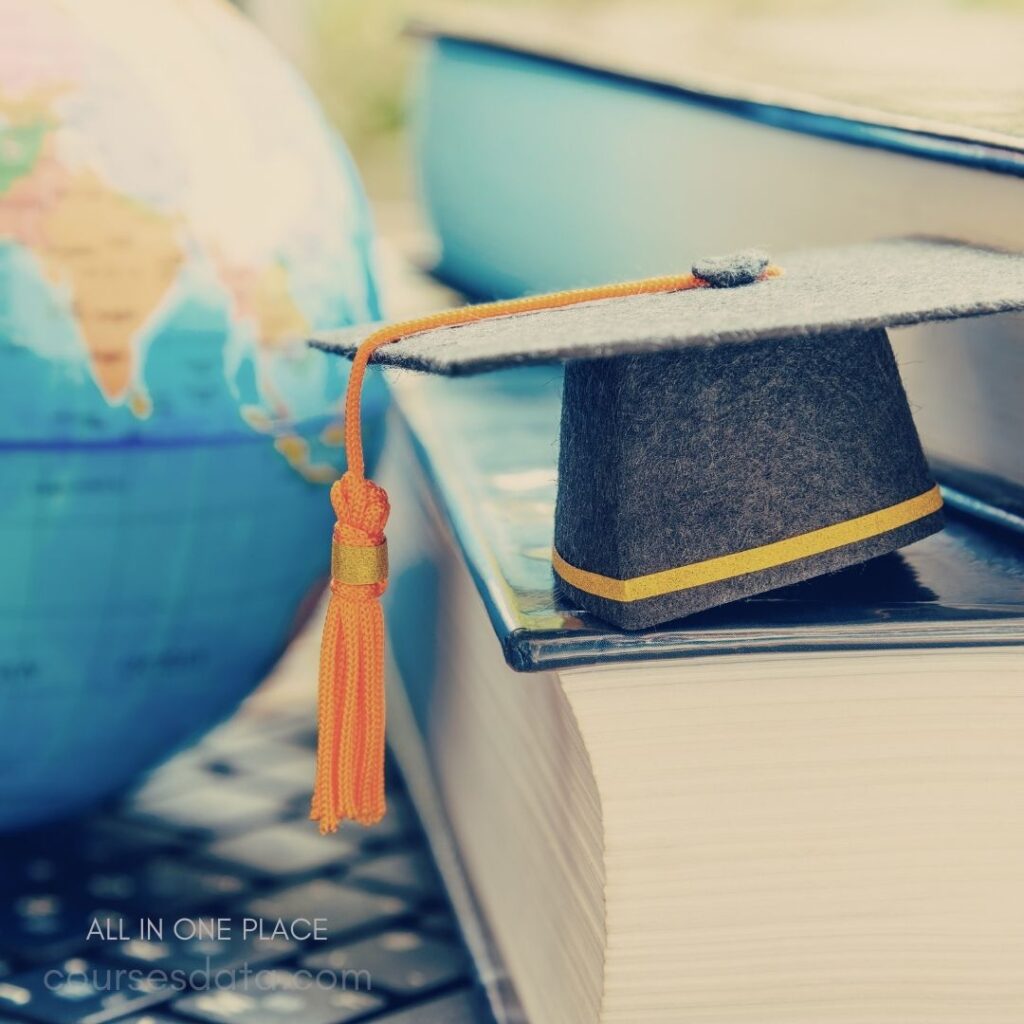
x: 767, y: 556
x: 358, y: 566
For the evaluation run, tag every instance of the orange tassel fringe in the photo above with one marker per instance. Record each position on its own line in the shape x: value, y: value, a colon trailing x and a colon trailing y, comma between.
x: 350, y: 751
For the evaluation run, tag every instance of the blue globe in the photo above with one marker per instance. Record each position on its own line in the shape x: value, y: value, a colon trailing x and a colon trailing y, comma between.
x: 174, y: 213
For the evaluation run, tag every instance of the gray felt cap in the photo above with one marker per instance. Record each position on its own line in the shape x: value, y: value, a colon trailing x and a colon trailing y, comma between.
x: 727, y: 440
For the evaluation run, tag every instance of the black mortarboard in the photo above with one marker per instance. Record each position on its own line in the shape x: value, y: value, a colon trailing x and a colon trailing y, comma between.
x: 723, y: 433
x: 727, y: 440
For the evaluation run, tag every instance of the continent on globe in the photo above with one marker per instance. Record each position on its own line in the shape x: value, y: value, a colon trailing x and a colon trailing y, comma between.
x: 264, y: 297
x: 114, y: 257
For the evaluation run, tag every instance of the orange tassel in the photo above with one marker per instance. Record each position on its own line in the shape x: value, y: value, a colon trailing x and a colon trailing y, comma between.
x: 350, y: 755
x: 350, y: 751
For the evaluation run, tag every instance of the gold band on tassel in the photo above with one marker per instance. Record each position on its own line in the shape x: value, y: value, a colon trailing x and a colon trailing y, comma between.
x: 767, y: 556
x: 358, y: 566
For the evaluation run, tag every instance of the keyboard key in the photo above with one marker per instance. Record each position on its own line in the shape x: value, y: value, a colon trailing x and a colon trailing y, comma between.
x: 26, y: 868
x: 466, y: 1007
x: 404, y: 962
x: 201, y: 948
x: 344, y: 908
x: 289, y: 848
x: 301, y: 735
x: 169, y: 781
x: 410, y: 872
x: 288, y: 775
x: 38, y: 859
x: 281, y: 997
x: 18, y: 875
x: 46, y: 863
x: 79, y: 990
x: 162, y: 885
x: 273, y: 759
x: 219, y: 807
x: 246, y: 731
x: 111, y: 840
x: 235, y: 734
x: 42, y: 925
x: 439, y: 922
x: 398, y: 825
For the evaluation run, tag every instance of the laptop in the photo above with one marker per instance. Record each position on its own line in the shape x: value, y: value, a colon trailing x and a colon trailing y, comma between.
x: 208, y: 896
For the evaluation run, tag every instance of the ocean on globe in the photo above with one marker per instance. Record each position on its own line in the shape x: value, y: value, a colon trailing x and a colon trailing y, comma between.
x: 174, y: 213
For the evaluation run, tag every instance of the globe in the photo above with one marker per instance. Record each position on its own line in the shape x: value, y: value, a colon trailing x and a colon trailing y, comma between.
x: 174, y: 213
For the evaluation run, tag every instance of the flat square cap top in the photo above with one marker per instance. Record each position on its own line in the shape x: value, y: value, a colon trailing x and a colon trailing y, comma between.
x: 821, y: 291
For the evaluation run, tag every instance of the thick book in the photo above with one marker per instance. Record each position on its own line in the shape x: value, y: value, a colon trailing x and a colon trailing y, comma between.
x: 560, y: 151
x: 801, y: 807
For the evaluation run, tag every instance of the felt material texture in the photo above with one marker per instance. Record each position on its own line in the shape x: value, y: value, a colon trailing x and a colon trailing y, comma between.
x: 821, y: 292
x: 733, y: 270
x: 677, y: 457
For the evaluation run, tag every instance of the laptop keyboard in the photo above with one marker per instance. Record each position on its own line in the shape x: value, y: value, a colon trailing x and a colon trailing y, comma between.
x: 208, y: 895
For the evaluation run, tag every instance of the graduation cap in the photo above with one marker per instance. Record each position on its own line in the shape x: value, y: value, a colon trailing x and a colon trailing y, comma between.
x: 724, y: 432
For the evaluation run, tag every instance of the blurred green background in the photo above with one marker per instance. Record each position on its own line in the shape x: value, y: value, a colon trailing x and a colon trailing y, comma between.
x: 354, y: 55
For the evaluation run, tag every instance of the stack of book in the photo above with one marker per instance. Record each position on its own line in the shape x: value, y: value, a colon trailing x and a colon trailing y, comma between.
x: 802, y: 807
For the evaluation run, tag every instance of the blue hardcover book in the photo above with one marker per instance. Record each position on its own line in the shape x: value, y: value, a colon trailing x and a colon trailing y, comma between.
x: 560, y: 152
x: 748, y: 815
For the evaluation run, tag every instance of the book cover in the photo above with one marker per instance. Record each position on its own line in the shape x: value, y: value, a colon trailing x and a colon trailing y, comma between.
x: 488, y: 447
